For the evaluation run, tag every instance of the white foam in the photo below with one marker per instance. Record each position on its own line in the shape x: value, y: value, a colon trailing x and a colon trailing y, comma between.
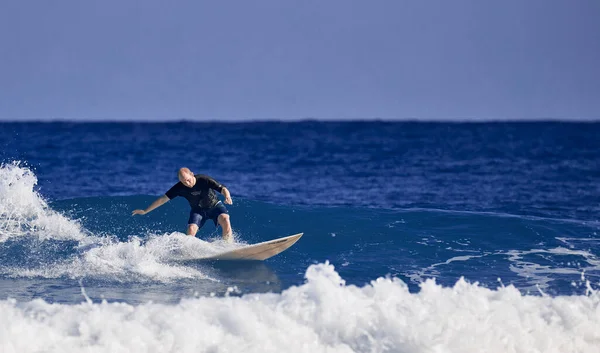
x: 132, y: 261
x: 538, y: 274
x: 323, y: 315
x: 23, y: 212
x: 431, y: 271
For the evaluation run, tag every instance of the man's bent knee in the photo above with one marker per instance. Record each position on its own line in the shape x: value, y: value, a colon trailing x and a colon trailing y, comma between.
x: 223, y: 217
x: 192, y: 229
x: 224, y: 222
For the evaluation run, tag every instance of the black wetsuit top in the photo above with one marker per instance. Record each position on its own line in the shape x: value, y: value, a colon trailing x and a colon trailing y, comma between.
x: 200, y: 196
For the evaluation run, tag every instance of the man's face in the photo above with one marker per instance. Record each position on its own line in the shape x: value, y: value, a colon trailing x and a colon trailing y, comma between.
x: 187, y: 179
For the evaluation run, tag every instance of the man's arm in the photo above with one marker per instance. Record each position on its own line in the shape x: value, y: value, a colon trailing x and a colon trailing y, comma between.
x: 215, y: 185
x: 157, y: 203
x: 225, y: 193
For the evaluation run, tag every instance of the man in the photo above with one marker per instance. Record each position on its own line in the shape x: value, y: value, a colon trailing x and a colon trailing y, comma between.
x: 199, y: 190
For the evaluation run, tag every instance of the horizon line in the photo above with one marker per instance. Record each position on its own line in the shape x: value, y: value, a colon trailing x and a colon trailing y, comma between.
x: 301, y: 120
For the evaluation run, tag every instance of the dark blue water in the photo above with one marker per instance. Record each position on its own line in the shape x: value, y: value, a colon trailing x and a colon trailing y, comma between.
x: 545, y: 169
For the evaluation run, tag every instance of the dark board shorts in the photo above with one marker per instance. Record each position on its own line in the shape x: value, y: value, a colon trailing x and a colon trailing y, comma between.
x: 199, y: 216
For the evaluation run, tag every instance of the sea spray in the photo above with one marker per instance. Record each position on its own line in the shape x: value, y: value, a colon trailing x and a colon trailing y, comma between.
x: 23, y: 212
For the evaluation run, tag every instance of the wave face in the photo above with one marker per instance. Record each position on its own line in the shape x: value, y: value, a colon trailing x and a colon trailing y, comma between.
x: 466, y: 267
x: 97, y: 239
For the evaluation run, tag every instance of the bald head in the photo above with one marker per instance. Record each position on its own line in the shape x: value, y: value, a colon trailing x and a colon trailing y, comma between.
x: 186, y: 177
x: 183, y: 171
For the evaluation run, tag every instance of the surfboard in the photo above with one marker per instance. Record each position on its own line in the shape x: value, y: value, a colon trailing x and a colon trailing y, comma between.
x: 258, y: 251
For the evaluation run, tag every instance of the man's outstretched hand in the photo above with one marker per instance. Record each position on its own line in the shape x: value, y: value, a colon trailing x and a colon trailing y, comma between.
x: 140, y: 212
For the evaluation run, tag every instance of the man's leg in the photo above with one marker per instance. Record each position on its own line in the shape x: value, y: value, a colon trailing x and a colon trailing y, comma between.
x: 194, y: 223
x: 223, y: 220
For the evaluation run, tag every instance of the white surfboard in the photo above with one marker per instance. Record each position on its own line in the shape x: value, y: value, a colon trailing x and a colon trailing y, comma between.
x: 259, y: 251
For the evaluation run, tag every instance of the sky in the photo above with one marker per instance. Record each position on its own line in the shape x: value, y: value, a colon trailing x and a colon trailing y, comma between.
x: 293, y: 60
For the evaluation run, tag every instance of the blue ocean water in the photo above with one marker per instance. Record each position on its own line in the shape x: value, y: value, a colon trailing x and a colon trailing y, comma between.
x: 414, y: 234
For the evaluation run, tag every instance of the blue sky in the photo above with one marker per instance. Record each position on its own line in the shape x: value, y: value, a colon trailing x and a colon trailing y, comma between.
x: 289, y: 60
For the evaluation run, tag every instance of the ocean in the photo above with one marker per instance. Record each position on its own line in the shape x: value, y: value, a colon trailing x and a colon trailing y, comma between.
x: 418, y: 237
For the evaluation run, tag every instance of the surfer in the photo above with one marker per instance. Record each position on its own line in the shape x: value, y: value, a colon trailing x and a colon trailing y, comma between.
x: 199, y: 191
